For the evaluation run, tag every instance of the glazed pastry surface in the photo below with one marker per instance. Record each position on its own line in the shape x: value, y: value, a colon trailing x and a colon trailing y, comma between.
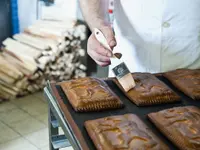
x: 123, y: 132
x: 149, y: 90
x: 186, y: 80
x: 87, y: 94
x: 181, y: 125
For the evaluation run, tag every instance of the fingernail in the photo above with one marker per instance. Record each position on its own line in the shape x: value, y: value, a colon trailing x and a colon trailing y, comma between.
x: 112, y: 43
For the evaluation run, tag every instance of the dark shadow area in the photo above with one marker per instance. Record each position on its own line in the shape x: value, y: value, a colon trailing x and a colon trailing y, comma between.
x: 5, y: 19
x: 87, y: 60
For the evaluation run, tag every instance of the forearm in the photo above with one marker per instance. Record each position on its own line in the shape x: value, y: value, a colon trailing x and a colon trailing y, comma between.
x: 94, y: 13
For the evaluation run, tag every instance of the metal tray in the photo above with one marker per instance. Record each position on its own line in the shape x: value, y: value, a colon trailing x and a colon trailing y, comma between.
x: 130, y: 107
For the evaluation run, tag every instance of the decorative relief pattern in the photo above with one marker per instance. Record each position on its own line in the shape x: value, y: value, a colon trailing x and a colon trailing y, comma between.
x: 181, y: 124
x: 186, y: 80
x: 149, y: 90
x: 125, y: 132
x: 87, y: 94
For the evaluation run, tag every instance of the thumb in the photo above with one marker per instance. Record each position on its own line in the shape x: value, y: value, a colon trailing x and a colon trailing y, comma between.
x: 109, y: 35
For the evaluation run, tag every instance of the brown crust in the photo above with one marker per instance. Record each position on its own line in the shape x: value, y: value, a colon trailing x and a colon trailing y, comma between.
x: 166, y: 124
x: 122, y: 132
x: 149, y: 90
x: 69, y: 118
x: 90, y: 94
x: 186, y: 80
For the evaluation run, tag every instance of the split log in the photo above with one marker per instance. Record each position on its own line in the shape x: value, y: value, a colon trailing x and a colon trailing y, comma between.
x: 45, y: 33
x: 8, y: 91
x: 21, y: 48
x: 5, y: 96
x: 9, y: 86
x: 31, y: 41
x: 4, y: 77
x: 7, y: 68
x: 23, y: 83
x: 29, y: 63
x: 19, y: 64
x: 59, y: 53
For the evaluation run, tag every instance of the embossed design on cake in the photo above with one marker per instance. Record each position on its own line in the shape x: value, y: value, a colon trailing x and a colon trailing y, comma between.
x: 186, y: 122
x: 148, y: 84
x: 149, y: 90
x: 90, y: 94
x: 188, y: 81
x: 181, y: 122
x: 86, y: 89
x: 123, y: 132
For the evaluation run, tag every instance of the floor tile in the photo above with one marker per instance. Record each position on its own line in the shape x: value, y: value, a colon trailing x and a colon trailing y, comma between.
x: 43, y: 118
x: 36, y: 109
x: 26, y: 100
x: 18, y: 144
x: 39, y: 138
x: 2, y: 125
x: 27, y: 126
x: 40, y: 96
x: 14, y: 115
x: 6, y: 106
x: 45, y: 148
x: 7, y: 134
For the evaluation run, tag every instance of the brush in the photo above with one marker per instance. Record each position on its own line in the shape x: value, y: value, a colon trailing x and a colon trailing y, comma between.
x: 120, y: 70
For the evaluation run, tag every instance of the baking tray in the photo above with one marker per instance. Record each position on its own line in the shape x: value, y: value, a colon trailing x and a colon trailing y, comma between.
x: 76, y: 120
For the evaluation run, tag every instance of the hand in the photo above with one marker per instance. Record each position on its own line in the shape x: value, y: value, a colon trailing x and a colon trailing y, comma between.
x: 96, y: 51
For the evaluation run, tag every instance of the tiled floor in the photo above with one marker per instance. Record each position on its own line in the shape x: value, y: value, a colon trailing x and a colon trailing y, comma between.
x: 23, y: 124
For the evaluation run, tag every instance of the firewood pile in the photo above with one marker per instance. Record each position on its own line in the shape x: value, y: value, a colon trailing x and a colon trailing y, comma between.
x: 47, y: 50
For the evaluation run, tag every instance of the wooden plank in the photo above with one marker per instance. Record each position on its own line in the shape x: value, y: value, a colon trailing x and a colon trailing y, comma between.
x: 7, y: 90
x: 45, y: 33
x: 9, y: 86
x: 37, y: 37
x: 7, y: 68
x: 5, y: 96
x: 31, y: 41
x: 4, y: 77
x: 22, y: 67
x: 22, y: 84
x: 28, y: 61
x: 20, y: 48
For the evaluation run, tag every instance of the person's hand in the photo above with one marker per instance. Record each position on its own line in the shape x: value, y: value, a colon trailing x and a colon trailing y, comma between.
x: 96, y: 51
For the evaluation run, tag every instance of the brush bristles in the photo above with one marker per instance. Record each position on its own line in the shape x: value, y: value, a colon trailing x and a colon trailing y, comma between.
x: 127, y: 82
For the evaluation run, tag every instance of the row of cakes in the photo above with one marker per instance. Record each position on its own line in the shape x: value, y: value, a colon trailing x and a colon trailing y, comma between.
x: 180, y: 124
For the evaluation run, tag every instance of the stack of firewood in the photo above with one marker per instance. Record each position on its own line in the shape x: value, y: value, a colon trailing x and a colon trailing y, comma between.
x: 47, y: 50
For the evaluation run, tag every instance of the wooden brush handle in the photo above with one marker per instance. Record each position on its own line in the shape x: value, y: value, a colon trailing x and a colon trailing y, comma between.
x: 101, y: 38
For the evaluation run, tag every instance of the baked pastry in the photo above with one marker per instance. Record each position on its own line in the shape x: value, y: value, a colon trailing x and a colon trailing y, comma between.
x: 181, y: 125
x: 186, y: 80
x: 125, y: 132
x: 90, y: 94
x: 149, y: 90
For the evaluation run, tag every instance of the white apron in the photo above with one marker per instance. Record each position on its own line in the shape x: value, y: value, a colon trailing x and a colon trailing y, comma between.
x: 157, y: 35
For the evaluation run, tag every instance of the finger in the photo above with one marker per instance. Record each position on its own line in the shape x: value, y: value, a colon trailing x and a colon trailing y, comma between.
x: 102, y: 64
x: 95, y: 45
x: 104, y: 52
x: 99, y: 57
x: 109, y: 35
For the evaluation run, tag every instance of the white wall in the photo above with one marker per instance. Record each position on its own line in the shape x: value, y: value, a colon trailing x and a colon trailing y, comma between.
x: 27, y: 12
x: 61, y: 10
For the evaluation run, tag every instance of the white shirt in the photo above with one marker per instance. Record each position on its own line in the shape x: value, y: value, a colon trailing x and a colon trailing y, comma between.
x: 158, y: 35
